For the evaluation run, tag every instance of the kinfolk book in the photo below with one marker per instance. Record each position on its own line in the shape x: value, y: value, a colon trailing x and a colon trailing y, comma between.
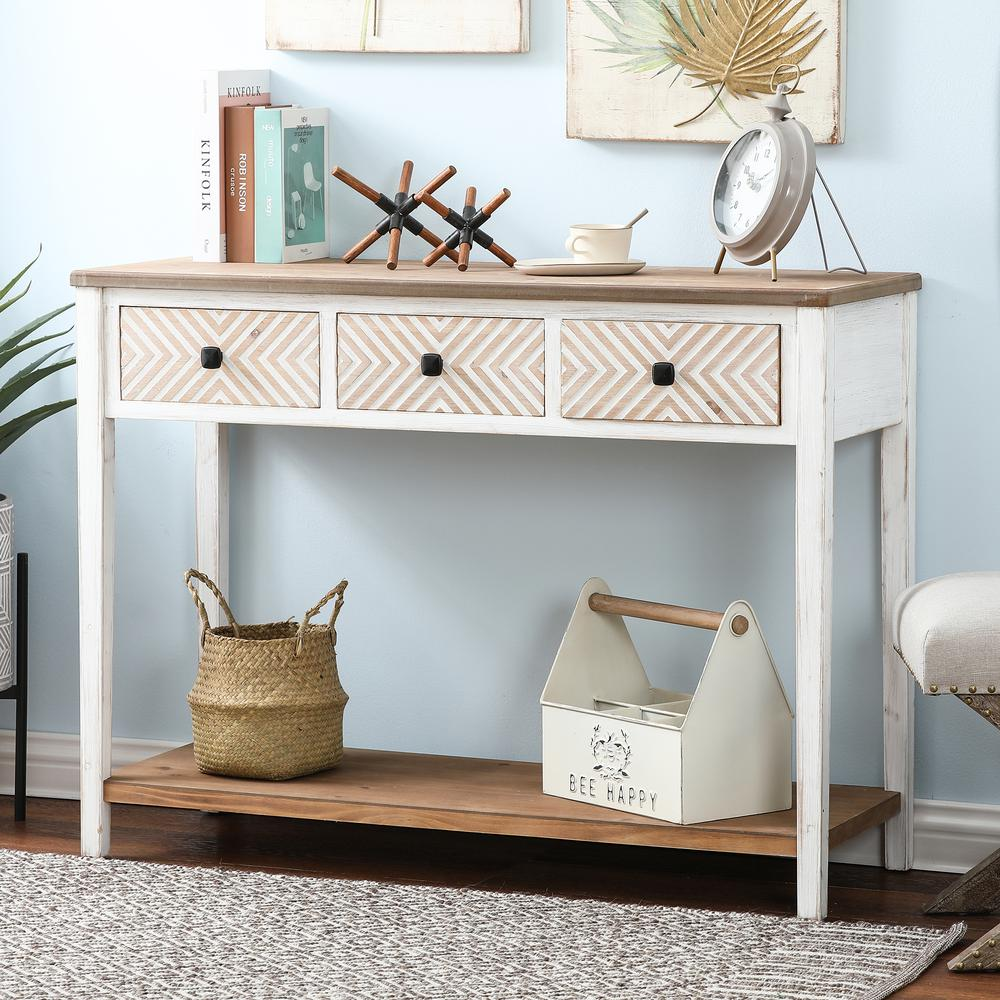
x: 218, y: 90
x: 290, y: 149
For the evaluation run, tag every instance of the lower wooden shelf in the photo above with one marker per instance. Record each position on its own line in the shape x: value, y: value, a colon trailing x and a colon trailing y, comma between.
x: 471, y: 795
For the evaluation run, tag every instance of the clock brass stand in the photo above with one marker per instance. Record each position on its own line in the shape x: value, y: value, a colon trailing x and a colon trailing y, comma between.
x: 863, y: 269
x: 773, y: 255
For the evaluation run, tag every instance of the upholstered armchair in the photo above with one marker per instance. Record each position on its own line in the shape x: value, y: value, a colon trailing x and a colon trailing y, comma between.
x: 947, y: 631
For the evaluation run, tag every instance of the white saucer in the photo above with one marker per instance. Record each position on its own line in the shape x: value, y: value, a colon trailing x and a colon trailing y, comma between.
x: 567, y: 267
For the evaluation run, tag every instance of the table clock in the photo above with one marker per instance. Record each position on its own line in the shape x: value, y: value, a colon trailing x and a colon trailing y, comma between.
x: 764, y: 185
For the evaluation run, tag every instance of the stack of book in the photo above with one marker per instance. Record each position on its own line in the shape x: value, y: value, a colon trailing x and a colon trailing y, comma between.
x: 262, y: 173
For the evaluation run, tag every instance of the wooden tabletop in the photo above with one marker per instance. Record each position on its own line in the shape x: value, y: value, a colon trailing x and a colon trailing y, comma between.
x: 745, y: 286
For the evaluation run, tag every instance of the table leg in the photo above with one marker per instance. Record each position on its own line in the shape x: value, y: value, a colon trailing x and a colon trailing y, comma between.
x: 898, y: 546
x: 95, y: 502
x: 813, y: 586
x: 211, y: 488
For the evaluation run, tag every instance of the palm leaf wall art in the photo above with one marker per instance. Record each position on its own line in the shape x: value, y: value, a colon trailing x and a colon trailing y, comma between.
x: 688, y: 70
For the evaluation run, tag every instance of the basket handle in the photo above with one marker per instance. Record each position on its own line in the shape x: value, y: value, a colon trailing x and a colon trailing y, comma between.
x: 189, y: 577
x: 338, y: 593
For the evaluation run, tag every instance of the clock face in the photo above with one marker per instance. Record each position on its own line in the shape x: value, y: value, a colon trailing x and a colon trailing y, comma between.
x: 746, y: 182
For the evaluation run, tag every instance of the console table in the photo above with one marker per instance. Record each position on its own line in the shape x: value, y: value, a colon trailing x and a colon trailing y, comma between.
x: 665, y: 355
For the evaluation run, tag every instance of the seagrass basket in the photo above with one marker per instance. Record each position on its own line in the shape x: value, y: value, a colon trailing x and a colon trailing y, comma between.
x: 267, y: 701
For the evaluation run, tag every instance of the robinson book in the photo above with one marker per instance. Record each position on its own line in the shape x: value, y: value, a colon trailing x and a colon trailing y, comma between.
x: 217, y: 90
x: 239, y: 184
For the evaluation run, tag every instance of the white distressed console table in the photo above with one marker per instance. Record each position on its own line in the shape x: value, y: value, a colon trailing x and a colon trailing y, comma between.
x: 666, y: 355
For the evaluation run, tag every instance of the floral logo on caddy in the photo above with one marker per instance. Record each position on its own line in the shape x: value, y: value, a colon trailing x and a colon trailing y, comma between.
x: 612, y: 753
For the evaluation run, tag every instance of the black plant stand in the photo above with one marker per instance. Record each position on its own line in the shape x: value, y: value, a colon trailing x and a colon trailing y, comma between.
x: 19, y: 692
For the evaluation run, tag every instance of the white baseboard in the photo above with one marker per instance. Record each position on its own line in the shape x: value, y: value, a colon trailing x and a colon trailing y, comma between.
x: 54, y: 761
x: 954, y: 836
x: 948, y: 836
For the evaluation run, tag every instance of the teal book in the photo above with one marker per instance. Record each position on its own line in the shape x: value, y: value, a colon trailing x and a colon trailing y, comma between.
x: 290, y: 155
x: 269, y: 236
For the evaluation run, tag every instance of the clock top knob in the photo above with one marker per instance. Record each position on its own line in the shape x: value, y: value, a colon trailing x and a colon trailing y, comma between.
x: 777, y: 106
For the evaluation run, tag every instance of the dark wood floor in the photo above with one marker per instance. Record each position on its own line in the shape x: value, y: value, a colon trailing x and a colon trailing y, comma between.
x: 633, y: 874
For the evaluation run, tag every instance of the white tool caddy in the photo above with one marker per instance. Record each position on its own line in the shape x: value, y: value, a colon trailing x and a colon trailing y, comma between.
x: 611, y: 739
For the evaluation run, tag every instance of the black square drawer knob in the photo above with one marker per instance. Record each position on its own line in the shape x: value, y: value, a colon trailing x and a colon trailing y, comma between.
x: 431, y: 364
x: 663, y: 373
x: 211, y: 357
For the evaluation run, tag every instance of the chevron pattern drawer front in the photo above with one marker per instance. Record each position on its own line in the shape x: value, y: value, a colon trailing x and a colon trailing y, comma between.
x: 268, y: 358
x: 725, y: 373
x: 490, y: 365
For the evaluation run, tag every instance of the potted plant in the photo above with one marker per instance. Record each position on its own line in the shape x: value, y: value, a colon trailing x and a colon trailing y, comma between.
x: 20, y: 341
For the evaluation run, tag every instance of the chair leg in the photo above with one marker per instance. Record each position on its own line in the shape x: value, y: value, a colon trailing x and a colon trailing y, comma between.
x: 977, y: 891
x: 986, y: 706
x: 21, y: 704
x: 982, y: 956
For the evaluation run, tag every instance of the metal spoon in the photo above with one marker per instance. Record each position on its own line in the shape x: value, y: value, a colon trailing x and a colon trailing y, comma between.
x: 641, y: 215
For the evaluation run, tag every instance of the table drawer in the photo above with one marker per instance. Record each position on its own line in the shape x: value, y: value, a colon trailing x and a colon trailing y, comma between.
x: 489, y: 365
x: 268, y: 358
x: 724, y: 373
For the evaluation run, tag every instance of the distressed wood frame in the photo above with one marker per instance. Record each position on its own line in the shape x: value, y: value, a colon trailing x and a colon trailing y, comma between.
x: 421, y: 26
x: 582, y: 123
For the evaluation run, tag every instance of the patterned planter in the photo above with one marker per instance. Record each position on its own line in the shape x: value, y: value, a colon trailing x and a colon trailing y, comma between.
x: 6, y: 592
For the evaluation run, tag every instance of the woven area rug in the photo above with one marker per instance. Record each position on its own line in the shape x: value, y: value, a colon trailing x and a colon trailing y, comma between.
x: 79, y: 928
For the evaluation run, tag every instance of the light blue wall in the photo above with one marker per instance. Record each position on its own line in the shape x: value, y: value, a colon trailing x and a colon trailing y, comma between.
x: 465, y: 554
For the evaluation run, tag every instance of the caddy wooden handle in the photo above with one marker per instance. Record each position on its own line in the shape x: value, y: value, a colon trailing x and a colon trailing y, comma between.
x: 672, y: 614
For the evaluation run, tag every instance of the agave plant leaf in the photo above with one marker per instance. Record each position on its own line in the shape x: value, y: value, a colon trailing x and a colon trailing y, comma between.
x: 742, y: 46
x: 13, y: 352
x: 25, y: 379
x: 29, y: 328
x: 20, y: 274
x: 33, y: 372
x: 16, y: 426
x: 34, y: 365
x: 7, y: 303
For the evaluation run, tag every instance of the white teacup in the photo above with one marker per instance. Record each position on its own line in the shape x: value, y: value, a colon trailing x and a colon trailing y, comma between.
x: 598, y: 244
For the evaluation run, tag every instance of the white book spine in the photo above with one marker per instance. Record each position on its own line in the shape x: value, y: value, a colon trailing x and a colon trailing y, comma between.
x: 210, y: 240
x: 216, y: 90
